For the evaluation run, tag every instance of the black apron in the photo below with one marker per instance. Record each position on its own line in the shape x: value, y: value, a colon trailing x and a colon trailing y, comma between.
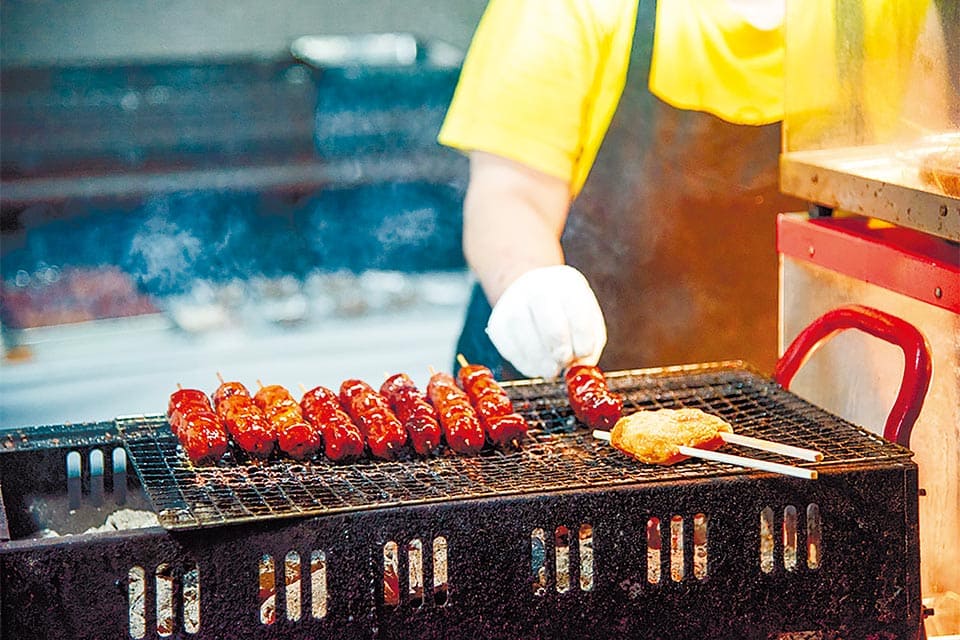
x: 675, y: 230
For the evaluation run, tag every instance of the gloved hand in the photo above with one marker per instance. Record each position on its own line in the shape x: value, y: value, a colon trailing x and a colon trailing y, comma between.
x: 546, y: 320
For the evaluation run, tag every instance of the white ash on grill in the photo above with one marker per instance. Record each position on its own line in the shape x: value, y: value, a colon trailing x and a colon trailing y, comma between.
x: 127, y: 519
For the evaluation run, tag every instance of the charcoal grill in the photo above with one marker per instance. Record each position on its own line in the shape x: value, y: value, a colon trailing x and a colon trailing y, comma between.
x: 564, y: 534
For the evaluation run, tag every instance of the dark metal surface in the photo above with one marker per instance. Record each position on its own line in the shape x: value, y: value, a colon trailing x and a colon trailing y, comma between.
x: 558, y: 455
x: 517, y: 563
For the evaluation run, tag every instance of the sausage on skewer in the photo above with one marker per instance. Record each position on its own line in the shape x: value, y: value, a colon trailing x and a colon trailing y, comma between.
x: 382, y: 430
x: 196, y: 426
x: 245, y: 421
x: 591, y: 400
x: 501, y: 423
x: 342, y: 439
x: 295, y: 437
x: 461, y: 426
x: 417, y: 415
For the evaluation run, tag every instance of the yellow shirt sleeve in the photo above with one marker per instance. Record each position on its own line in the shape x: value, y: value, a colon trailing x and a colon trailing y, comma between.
x: 541, y: 82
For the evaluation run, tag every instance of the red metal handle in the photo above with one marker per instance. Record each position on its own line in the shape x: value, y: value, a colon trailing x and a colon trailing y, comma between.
x: 916, y: 352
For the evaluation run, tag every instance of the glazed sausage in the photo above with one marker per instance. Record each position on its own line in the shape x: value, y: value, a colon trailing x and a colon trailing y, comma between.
x: 369, y: 410
x: 342, y: 439
x: 412, y: 409
x: 493, y: 406
x: 245, y: 421
x: 461, y: 426
x: 196, y: 426
x: 591, y: 400
x: 295, y: 436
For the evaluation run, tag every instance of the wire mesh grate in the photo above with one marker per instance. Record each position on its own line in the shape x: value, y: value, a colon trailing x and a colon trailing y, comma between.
x: 558, y: 454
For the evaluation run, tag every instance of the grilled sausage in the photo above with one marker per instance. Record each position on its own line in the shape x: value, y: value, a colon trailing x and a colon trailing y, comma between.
x: 342, y: 439
x: 591, y: 400
x: 245, y: 421
x: 492, y: 404
x: 295, y: 437
x: 369, y: 410
x: 196, y: 426
x: 461, y: 426
x: 412, y: 409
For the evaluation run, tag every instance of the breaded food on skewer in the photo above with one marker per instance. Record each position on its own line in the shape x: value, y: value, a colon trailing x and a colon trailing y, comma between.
x: 655, y: 437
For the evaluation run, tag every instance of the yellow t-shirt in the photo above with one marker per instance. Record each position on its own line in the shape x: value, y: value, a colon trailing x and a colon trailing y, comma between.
x: 541, y: 81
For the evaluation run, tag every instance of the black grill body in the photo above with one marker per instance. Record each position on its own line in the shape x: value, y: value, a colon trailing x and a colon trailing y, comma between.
x: 564, y: 535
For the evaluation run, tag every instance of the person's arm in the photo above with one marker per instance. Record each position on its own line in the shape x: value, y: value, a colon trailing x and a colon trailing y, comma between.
x: 513, y: 216
x: 545, y: 315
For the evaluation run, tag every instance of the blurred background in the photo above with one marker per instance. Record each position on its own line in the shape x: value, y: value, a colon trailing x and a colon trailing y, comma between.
x: 240, y: 187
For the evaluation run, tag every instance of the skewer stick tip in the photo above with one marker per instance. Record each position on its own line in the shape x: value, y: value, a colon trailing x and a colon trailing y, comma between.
x: 432, y: 371
x: 219, y: 377
x: 461, y: 360
x: 303, y: 387
x: 259, y: 384
x: 601, y: 435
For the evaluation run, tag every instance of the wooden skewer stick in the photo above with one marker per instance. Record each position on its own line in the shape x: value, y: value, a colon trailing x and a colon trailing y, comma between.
x: 716, y: 456
x: 763, y: 465
x: 219, y: 377
x: 303, y: 387
x: 772, y: 447
x: 461, y: 360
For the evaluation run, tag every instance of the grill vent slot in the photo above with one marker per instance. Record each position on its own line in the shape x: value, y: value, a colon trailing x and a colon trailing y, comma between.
x: 562, y: 564
x: 96, y: 477
x: 676, y: 549
x: 165, y: 598
x: 291, y: 571
x: 677, y: 558
x: 392, y: 590
x: 293, y: 586
x: 814, y: 537
x: 318, y: 584
x: 268, y: 590
x: 653, y: 550
x: 136, y: 594
x: 790, y: 538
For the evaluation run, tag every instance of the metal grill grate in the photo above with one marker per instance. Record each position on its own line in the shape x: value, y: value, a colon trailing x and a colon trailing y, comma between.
x: 559, y: 453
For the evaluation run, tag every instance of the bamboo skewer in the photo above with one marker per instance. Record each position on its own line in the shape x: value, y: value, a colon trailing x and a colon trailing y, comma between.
x: 772, y: 447
x: 716, y: 456
x: 763, y: 465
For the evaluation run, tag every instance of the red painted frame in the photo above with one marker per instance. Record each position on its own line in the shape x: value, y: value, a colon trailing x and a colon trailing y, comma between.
x: 915, y: 264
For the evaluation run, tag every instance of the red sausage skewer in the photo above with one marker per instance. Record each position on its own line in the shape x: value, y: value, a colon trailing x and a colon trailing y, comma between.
x: 591, y: 400
x: 382, y: 430
x: 412, y: 409
x: 501, y: 423
x: 295, y: 437
x: 341, y: 437
x: 196, y: 426
x: 461, y: 426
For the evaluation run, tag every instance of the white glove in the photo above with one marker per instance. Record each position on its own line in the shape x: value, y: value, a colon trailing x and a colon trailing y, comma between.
x: 546, y: 320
